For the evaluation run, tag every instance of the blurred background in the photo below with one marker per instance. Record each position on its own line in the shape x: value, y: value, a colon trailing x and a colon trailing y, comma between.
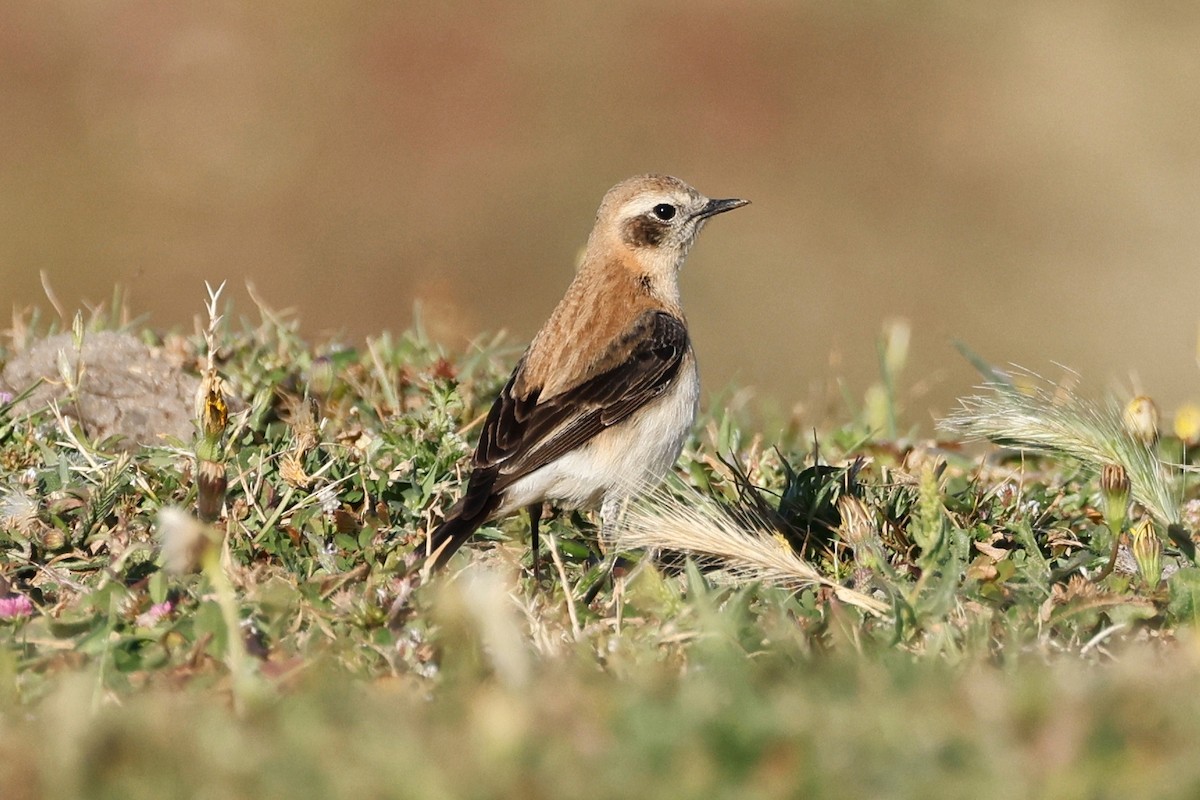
x: 1023, y: 176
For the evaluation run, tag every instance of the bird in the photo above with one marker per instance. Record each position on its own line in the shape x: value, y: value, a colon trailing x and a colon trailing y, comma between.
x: 599, y: 405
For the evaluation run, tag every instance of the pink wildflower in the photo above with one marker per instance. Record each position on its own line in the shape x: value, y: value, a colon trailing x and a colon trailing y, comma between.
x: 151, y: 616
x: 13, y: 606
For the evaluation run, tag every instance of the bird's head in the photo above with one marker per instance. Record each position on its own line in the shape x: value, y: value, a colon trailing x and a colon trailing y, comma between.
x: 655, y: 218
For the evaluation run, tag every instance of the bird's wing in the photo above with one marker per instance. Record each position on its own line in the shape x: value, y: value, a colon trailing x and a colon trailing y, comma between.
x: 522, y: 434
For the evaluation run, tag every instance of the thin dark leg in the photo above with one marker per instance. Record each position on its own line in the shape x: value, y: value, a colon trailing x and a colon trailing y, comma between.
x: 606, y: 572
x: 535, y: 516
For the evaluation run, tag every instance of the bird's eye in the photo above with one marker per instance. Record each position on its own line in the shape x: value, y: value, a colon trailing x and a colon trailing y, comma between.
x: 664, y: 211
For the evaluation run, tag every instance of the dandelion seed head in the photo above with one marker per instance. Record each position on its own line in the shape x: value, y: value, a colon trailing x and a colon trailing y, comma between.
x: 17, y: 510
x: 183, y: 540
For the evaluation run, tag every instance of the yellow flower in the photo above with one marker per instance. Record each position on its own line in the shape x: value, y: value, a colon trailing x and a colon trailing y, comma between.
x: 1187, y: 424
x: 1147, y: 552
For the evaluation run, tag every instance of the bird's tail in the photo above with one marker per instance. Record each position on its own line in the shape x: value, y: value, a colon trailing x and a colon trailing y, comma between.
x: 454, y: 532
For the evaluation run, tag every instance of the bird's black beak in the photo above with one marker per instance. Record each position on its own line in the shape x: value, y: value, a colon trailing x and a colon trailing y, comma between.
x: 714, y: 207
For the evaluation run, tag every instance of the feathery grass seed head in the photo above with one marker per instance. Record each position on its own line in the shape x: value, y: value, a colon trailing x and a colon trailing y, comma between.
x: 1050, y: 420
x: 689, y: 522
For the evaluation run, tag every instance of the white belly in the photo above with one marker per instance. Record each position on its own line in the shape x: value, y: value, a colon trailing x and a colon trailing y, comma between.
x: 620, y: 461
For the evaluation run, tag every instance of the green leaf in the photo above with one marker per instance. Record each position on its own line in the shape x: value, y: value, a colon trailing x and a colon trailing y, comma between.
x: 157, y: 587
x: 1184, y: 589
x: 208, y: 621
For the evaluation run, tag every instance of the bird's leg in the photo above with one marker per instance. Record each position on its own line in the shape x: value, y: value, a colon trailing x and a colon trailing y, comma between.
x: 535, y: 516
x: 602, y: 576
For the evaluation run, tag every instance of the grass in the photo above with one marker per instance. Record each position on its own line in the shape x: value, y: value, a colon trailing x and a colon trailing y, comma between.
x: 932, y: 619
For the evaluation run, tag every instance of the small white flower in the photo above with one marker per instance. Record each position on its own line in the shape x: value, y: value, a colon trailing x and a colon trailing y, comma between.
x: 328, y: 499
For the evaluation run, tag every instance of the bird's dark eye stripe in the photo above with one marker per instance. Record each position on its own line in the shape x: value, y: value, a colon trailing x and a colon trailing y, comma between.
x: 664, y: 211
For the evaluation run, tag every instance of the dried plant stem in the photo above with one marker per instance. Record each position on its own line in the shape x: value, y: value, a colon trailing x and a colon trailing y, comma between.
x: 576, y: 631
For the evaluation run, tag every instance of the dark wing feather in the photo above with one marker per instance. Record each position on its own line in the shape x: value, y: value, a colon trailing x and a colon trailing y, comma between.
x: 521, y: 434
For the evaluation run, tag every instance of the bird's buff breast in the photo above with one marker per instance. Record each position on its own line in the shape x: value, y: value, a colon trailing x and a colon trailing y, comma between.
x: 628, y: 457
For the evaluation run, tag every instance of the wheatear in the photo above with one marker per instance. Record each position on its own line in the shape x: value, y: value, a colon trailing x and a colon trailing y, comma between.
x: 600, y: 404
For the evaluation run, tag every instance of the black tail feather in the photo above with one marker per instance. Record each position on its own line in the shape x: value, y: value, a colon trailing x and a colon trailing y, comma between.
x: 455, y: 531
